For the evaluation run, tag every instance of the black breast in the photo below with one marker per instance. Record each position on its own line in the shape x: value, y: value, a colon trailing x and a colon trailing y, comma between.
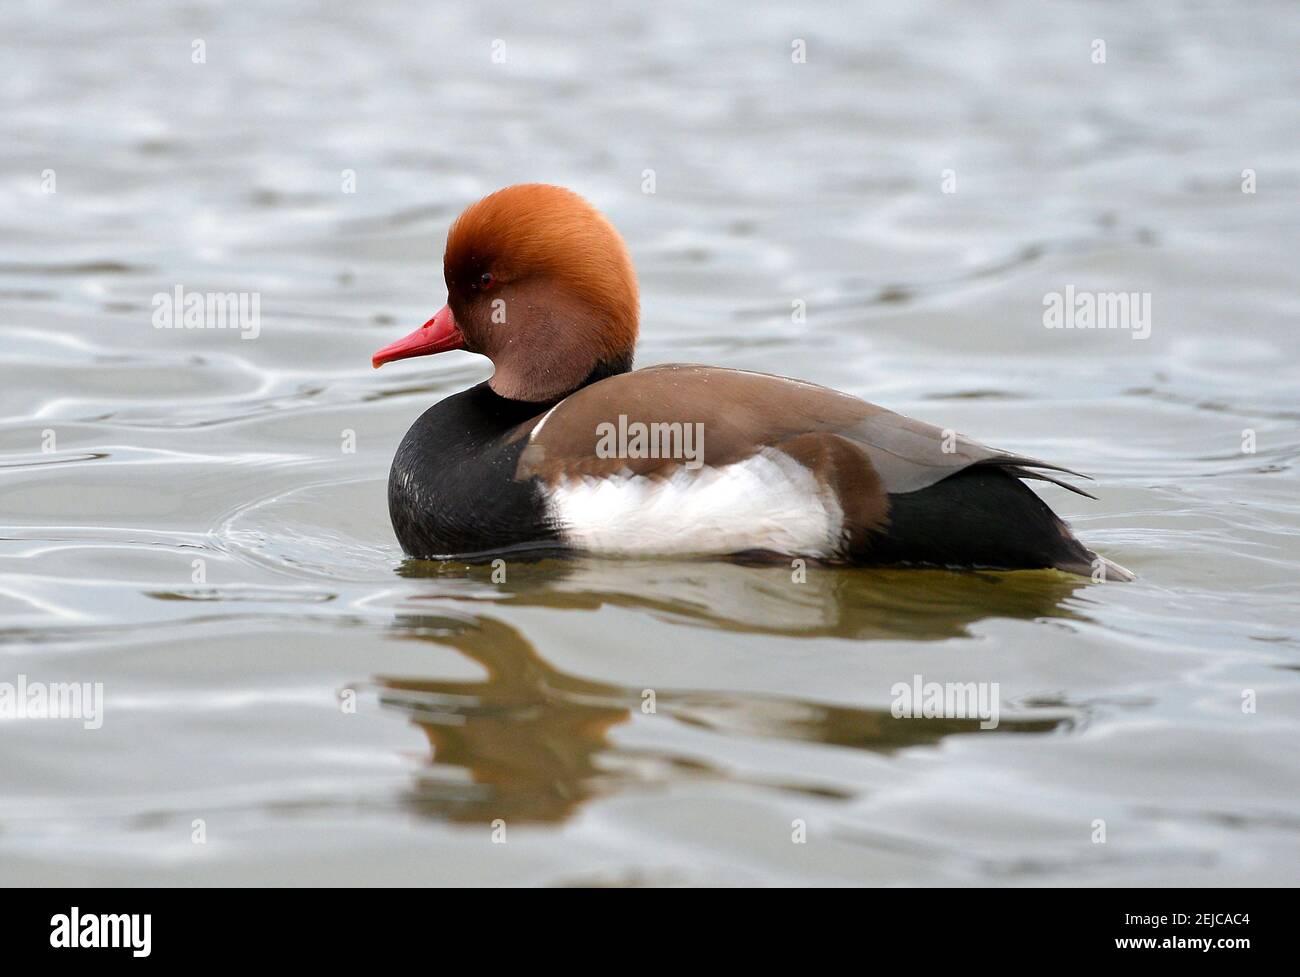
x: 452, y: 488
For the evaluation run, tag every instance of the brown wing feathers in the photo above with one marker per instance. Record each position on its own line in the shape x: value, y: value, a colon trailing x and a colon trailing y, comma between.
x: 1021, y: 471
x: 896, y: 478
x: 743, y: 412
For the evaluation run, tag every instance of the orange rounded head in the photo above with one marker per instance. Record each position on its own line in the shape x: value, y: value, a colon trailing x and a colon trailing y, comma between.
x: 539, y: 282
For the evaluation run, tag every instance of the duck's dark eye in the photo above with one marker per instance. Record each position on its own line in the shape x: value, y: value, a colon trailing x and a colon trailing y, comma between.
x: 485, y: 280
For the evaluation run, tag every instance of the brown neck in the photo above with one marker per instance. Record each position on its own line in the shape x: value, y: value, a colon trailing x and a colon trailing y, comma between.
x: 546, y: 344
x: 562, y: 383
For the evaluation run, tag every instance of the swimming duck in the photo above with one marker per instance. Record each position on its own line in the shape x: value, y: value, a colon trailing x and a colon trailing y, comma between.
x: 567, y: 448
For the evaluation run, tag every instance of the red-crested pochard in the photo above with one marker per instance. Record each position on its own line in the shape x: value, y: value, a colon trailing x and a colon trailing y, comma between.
x: 567, y: 448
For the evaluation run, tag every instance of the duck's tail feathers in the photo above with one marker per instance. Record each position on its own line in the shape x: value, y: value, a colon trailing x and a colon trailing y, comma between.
x: 1100, y: 569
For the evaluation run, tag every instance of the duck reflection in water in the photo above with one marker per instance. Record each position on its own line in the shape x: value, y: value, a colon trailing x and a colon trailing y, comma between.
x: 530, y: 743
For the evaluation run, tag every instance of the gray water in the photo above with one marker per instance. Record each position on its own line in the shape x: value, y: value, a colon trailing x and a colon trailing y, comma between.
x: 183, y: 521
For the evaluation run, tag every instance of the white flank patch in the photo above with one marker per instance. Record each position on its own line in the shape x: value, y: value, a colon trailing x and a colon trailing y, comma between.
x: 767, y: 502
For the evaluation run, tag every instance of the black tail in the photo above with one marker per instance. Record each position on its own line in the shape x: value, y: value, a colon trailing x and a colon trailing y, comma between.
x: 981, y: 517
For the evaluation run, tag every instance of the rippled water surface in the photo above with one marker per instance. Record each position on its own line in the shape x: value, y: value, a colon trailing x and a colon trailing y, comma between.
x: 1169, y: 709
